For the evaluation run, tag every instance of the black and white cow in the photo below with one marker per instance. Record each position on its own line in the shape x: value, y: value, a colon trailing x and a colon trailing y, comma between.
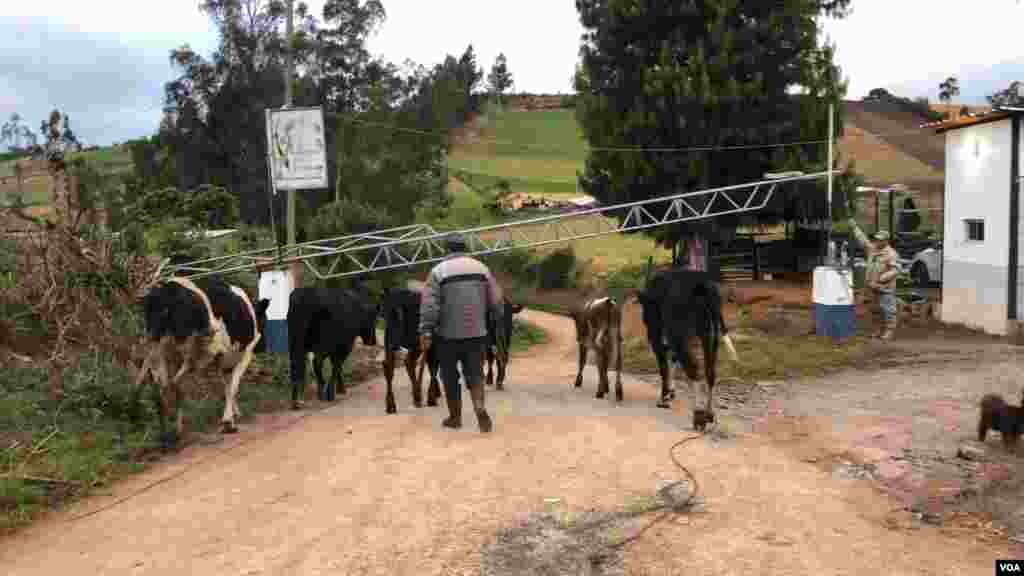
x: 402, y: 321
x: 197, y: 323
x: 498, y: 350
x: 679, y: 308
x: 599, y: 327
x: 326, y: 322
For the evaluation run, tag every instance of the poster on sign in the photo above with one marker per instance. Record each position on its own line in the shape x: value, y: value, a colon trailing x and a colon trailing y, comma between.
x: 298, y: 151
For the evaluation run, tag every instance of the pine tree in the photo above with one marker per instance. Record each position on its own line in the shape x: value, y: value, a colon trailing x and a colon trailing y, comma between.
x: 706, y: 72
x: 500, y: 79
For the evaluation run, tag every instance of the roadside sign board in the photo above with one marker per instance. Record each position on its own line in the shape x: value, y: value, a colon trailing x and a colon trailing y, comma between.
x: 298, y: 151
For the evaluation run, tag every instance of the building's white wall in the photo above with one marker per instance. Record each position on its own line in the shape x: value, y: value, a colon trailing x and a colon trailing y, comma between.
x: 975, y: 295
x: 1020, y: 230
x: 977, y: 186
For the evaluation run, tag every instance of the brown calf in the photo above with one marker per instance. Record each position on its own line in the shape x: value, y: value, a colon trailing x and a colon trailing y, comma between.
x: 599, y: 327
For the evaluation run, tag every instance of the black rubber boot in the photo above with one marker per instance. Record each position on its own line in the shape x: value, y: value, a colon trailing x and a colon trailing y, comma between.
x: 454, y: 420
x: 483, y: 420
x: 453, y: 395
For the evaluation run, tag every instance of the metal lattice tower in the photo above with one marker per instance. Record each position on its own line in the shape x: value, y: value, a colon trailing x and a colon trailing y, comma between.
x: 415, y: 244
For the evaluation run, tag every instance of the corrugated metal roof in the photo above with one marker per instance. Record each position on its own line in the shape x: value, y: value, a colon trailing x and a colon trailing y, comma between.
x: 973, y: 119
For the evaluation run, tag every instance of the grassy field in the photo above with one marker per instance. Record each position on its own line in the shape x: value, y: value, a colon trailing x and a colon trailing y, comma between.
x: 540, y: 152
x: 36, y: 188
x: 109, y: 160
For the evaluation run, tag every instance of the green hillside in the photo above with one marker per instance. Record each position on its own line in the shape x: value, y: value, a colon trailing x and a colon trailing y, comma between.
x: 539, y: 152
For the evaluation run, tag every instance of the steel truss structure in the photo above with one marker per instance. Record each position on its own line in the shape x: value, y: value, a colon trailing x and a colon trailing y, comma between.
x: 416, y: 244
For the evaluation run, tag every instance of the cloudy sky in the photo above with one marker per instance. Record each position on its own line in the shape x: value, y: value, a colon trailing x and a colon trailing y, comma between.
x: 105, y: 61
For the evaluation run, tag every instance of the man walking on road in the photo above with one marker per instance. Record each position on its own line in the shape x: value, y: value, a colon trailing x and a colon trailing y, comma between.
x: 460, y: 292
x: 883, y: 267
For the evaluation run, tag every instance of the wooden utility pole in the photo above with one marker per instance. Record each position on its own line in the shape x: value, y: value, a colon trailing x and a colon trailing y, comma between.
x: 296, y: 267
x: 878, y: 209
x: 828, y: 199
x: 892, y: 215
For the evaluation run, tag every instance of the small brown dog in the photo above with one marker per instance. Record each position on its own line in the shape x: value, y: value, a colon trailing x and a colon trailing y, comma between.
x: 996, y: 414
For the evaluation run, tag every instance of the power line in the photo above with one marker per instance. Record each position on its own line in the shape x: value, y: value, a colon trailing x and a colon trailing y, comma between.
x: 526, y: 145
x: 678, y: 149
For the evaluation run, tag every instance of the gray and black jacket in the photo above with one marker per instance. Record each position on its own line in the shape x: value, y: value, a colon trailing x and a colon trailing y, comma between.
x: 459, y: 293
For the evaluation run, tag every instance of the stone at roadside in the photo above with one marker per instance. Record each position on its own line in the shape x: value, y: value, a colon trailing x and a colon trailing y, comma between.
x: 969, y: 452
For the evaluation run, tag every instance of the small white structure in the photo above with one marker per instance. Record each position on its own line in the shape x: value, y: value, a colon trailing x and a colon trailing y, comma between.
x: 982, y: 280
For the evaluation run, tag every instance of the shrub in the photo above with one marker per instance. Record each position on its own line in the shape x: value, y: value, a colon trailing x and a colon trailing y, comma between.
x: 208, y: 207
x: 558, y: 269
x: 517, y: 262
x: 347, y: 216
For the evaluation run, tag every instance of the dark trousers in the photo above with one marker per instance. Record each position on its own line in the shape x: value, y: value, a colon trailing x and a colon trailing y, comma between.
x: 469, y: 355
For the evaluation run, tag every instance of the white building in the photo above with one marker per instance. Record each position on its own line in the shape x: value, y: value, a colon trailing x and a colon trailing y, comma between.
x: 982, y: 279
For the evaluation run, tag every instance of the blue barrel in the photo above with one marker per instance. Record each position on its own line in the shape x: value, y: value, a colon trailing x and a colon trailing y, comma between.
x: 277, y: 286
x: 834, y: 310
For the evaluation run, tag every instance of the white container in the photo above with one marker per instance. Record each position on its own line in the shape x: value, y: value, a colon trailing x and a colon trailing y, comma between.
x: 833, y: 286
x: 834, y: 310
x: 276, y: 285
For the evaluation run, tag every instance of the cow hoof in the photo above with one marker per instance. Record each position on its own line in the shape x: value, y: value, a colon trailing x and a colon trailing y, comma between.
x: 599, y: 395
x: 168, y: 440
x: 391, y: 408
x: 417, y: 403
x: 664, y: 403
x: 484, y: 422
x: 501, y: 386
x: 701, y: 419
x: 431, y: 403
x: 228, y: 428
x: 296, y: 405
x: 579, y: 382
x: 618, y: 396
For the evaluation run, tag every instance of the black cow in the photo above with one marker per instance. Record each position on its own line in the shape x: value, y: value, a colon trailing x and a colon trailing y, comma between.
x: 496, y: 352
x: 199, y: 322
x: 401, y: 330
x: 326, y: 322
x: 680, y: 306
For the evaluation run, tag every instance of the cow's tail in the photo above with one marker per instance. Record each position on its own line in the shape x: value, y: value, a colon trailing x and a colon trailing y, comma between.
x: 717, y: 329
x: 725, y: 333
x: 389, y: 325
x: 612, y: 304
x: 713, y: 332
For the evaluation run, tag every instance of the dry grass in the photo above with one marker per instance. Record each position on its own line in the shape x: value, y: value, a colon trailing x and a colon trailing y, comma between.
x: 777, y: 343
x: 772, y: 327
x: 881, y: 161
x: 604, y: 253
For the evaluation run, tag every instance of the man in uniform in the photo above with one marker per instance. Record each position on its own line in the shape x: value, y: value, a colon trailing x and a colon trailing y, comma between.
x: 459, y: 294
x: 883, y: 267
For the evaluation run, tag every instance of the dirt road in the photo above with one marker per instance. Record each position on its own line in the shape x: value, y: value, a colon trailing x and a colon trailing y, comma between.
x: 351, y: 490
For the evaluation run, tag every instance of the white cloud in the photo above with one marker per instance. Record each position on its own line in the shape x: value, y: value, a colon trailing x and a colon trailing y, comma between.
x: 133, y: 22
x: 540, y: 38
x: 921, y: 42
x: 112, y: 55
